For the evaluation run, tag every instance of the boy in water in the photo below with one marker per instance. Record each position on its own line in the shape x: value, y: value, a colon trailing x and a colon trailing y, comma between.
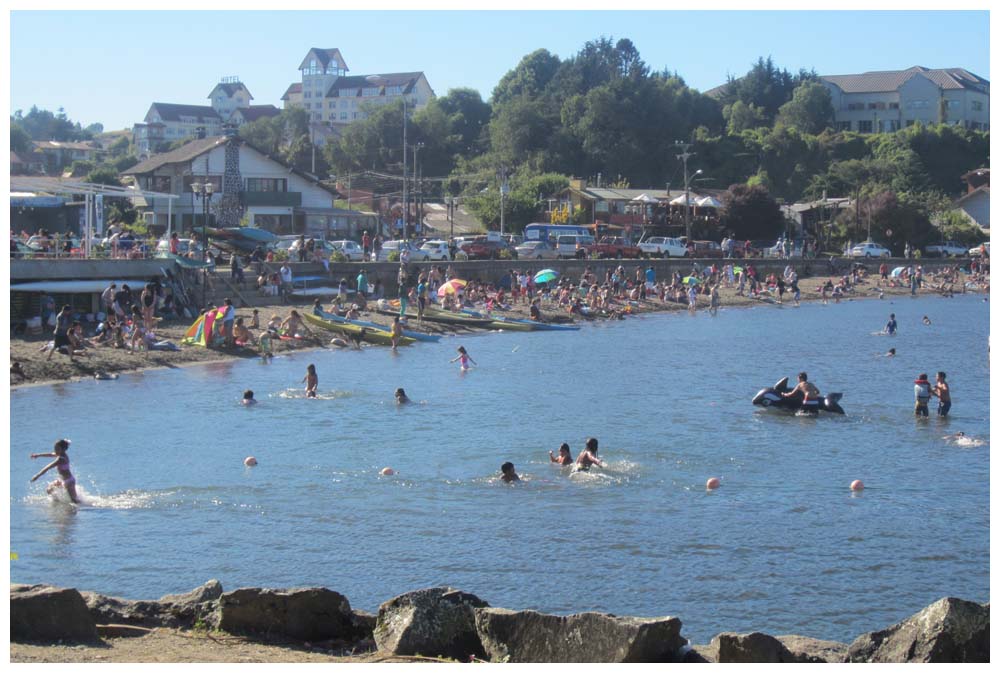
x: 507, y: 473
x: 401, y: 397
x: 248, y: 400
x: 806, y: 387
x: 890, y: 327
x: 564, y: 458
x: 943, y: 393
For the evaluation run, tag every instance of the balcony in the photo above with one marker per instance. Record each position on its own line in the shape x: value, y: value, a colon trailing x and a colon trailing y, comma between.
x: 287, y: 199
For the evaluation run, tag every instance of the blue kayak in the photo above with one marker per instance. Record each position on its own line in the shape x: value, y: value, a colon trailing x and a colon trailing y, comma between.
x: 333, y: 317
x: 524, y: 321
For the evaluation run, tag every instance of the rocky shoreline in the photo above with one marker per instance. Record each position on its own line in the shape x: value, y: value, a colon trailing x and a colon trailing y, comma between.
x: 438, y: 624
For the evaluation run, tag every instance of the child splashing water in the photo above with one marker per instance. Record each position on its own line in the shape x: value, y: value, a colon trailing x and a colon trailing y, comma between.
x: 463, y: 356
x: 61, y: 463
x: 311, y: 380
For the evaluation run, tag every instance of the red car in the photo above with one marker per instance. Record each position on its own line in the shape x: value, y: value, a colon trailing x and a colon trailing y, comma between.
x: 614, y: 246
x: 482, y: 248
x: 704, y: 249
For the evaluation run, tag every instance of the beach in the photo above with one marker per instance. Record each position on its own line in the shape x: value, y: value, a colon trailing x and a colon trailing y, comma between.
x: 59, y: 368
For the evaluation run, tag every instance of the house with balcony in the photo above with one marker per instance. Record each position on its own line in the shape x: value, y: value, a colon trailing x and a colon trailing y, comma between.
x: 333, y: 98
x: 55, y: 156
x: 888, y: 100
x: 273, y: 195
x: 166, y: 123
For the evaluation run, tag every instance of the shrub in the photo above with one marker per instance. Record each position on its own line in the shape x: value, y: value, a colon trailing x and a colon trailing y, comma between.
x: 393, y: 256
x: 338, y: 256
x: 506, y: 254
x: 280, y: 255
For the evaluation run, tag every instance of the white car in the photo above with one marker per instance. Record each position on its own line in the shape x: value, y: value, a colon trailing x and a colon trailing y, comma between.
x: 389, y: 247
x: 536, y: 250
x: 349, y: 249
x: 436, y: 250
x: 184, y: 246
x: 978, y: 250
x: 869, y: 249
x: 663, y: 246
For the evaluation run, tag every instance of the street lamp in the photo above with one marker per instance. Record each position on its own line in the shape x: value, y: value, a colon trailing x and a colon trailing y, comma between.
x: 687, y: 199
x: 204, y: 190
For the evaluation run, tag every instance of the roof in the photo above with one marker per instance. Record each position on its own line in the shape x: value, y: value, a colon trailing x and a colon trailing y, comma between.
x: 324, y: 56
x: 230, y: 89
x: 978, y: 192
x: 891, y: 80
x: 292, y: 88
x: 59, y: 145
x: 614, y: 194
x: 14, y: 159
x: 196, y: 148
x: 174, y: 111
x: 407, y: 80
x: 182, y: 154
x: 255, y: 112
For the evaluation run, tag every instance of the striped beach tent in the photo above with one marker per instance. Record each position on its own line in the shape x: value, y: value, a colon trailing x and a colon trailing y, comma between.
x: 203, y: 331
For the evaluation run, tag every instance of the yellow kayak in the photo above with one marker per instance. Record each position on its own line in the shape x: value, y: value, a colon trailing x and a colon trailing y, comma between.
x: 369, y: 334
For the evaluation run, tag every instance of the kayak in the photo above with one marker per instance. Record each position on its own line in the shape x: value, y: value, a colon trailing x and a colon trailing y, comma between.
x: 333, y: 317
x: 512, y: 325
x: 546, y: 325
x: 446, y: 317
x: 369, y: 334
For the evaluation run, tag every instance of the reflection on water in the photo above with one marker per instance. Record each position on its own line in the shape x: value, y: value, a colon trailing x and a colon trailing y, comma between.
x: 159, y: 463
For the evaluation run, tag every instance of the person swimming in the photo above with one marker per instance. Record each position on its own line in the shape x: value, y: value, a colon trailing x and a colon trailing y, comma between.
x: 891, y: 353
x: 248, y: 399
x: 564, y: 457
x: 507, y: 473
x: 311, y: 380
x: 61, y: 463
x: 464, y: 357
x: 588, y: 456
x: 927, y: 321
x: 401, y: 397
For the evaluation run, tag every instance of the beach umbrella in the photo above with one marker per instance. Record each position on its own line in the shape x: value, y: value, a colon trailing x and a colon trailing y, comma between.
x: 644, y: 198
x: 898, y: 271
x: 708, y: 202
x: 680, y: 200
x: 546, y: 275
x: 452, y: 286
x: 691, y: 280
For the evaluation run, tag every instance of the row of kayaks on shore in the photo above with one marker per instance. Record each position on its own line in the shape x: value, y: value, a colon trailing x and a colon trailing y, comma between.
x: 376, y: 333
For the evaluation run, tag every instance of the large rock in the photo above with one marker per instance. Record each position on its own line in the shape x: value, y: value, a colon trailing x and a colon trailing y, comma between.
x: 948, y: 631
x: 433, y: 622
x: 303, y: 614
x: 173, y: 610
x: 41, y: 612
x: 813, y: 651
x: 591, y: 637
x: 199, y: 604
x: 744, y: 648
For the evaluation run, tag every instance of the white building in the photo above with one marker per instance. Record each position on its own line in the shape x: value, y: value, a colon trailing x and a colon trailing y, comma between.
x: 886, y: 101
x: 166, y: 123
x: 333, y: 98
x: 275, y: 196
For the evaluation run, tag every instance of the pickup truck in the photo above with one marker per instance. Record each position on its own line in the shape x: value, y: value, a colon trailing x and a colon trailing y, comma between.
x: 946, y: 249
x: 663, y: 246
x: 613, y: 246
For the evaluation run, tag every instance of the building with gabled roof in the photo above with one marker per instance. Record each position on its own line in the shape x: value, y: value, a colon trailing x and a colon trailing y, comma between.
x: 331, y: 96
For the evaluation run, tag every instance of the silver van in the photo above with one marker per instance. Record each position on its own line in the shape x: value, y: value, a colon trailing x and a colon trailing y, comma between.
x: 569, y: 246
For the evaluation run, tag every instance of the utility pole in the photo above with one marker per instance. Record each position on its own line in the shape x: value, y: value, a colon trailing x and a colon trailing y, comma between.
x: 406, y: 205
x: 348, y: 190
x: 504, y: 188
x: 416, y: 184
x: 683, y: 156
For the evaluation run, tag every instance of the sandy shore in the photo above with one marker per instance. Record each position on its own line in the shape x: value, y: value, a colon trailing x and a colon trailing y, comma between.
x: 60, y: 368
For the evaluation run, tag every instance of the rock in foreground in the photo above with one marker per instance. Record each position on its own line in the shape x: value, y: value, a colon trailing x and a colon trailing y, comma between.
x: 40, y: 612
x: 302, y: 614
x: 436, y: 622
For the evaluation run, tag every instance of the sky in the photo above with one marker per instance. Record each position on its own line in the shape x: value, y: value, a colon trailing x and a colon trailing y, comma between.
x: 109, y: 66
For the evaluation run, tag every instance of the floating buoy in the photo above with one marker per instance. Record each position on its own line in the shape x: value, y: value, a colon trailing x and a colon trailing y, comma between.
x: 387, y: 472
x: 857, y: 485
x: 249, y: 461
x: 713, y: 484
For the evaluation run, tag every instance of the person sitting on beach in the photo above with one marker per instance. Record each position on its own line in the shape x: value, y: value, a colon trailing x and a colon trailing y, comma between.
x: 293, y: 326
x: 401, y: 397
x: 274, y: 325
x: 564, y: 458
x: 588, y: 456
x: 507, y: 473
x: 255, y: 320
x: 61, y: 463
x: 248, y: 399
x: 806, y: 387
x: 535, y: 312
x: 242, y: 334
x: 353, y: 313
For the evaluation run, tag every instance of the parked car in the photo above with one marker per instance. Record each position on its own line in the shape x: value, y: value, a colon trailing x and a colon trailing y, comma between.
x: 184, y: 246
x: 437, y: 250
x: 946, y: 249
x: 352, y: 250
x: 615, y: 247
x: 869, y: 249
x: 978, y: 250
x: 389, y: 247
x: 570, y: 246
x: 663, y: 246
x: 513, y: 240
x: 484, y: 248
x: 704, y: 249
x: 537, y: 250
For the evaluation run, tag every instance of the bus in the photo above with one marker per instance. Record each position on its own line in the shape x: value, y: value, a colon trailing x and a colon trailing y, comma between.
x: 549, y: 232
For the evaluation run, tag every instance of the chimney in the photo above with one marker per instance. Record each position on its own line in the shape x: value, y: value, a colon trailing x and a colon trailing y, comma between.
x: 200, y: 132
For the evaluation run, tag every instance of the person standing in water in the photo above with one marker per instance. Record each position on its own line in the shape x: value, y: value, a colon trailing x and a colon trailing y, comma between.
x: 922, y: 395
x: 588, y: 456
x: 890, y: 327
x: 564, y: 458
x: 943, y: 393
x: 465, y: 358
x: 396, y: 331
x: 507, y: 473
x: 401, y: 397
x: 311, y: 380
x: 61, y: 463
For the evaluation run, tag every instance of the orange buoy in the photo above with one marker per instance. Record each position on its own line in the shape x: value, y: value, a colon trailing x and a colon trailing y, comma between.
x: 713, y: 484
x: 387, y: 472
x: 250, y: 461
x: 857, y: 485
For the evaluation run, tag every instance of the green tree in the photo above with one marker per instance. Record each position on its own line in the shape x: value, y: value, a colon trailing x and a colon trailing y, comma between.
x: 750, y: 212
x: 764, y: 86
x: 809, y: 111
x: 20, y: 141
x: 742, y: 116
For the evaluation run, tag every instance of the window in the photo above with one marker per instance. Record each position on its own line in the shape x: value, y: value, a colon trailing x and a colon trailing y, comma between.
x: 267, y: 184
x: 355, y: 115
x: 843, y: 126
x: 333, y: 115
x: 347, y: 93
x: 893, y: 106
x: 865, y: 126
x: 308, y: 106
x: 370, y: 91
x: 343, y: 115
x: 872, y: 106
x: 354, y: 103
x: 977, y: 105
x: 917, y: 104
x: 307, y: 94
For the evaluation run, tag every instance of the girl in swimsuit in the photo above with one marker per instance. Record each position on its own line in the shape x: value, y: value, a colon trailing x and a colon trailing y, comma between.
x: 564, y: 457
x: 588, y: 456
x: 61, y: 463
x: 148, y: 300
x: 463, y: 356
x: 311, y: 380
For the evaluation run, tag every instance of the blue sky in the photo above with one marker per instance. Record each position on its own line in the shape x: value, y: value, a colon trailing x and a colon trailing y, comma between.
x: 108, y: 66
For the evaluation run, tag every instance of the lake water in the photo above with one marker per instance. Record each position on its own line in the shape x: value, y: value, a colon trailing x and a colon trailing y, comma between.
x: 783, y: 546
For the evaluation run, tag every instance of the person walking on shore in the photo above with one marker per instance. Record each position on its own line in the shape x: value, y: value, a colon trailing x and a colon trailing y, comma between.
x: 61, y: 333
x: 108, y: 299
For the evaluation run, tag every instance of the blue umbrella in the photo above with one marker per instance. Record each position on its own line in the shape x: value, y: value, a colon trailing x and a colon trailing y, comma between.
x: 546, y: 275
